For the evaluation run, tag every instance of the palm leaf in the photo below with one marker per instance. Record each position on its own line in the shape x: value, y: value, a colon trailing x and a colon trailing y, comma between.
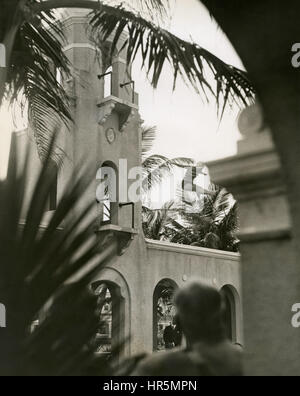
x: 158, y: 167
x: 36, y: 264
x: 157, y: 47
x: 161, y: 223
x: 214, y: 226
x: 36, y: 55
x: 148, y: 138
x: 148, y: 8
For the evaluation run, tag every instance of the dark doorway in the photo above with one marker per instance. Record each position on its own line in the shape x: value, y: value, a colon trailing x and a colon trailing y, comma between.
x: 229, y: 313
x: 111, y: 318
x: 164, y: 316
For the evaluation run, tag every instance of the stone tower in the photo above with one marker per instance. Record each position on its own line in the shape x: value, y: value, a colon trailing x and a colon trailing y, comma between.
x: 106, y: 131
x: 107, y: 135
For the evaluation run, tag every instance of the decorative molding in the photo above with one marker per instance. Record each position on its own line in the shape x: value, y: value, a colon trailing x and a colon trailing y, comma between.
x: 105, y: 112
x: 191, y: 250
x: 110, y: 135
x: 123, y: 235
x: 21, y: 132
x: 79, y: 45
x: 125, y: 110
x: 249, y: 176
x: 126, y: 120
x: 265, y: 236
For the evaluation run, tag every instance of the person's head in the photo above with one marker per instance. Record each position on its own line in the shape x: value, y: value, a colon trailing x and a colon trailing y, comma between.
x: 199, y: 309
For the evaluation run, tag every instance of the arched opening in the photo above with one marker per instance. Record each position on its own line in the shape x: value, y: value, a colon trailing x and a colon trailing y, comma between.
x: 230, y: 312
x: 108, y: 82
x: 52, y: 174
x: 111, y: 334
x: 166, y: 331
x: 107, y: 194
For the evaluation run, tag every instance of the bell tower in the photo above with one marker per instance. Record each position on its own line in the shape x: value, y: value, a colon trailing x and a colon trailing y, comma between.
x: 106, y: 138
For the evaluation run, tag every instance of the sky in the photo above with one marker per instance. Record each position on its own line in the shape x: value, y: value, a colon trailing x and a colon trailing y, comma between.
x: 187, y: 127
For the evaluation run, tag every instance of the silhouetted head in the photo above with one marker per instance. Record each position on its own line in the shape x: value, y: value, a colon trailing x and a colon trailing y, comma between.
x: 200, y: 313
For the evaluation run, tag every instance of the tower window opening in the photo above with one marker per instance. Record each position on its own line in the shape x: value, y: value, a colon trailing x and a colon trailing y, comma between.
x: 107, y: 194
x: 106, y: 202
x: 108, y: 82
x: 53, y: 176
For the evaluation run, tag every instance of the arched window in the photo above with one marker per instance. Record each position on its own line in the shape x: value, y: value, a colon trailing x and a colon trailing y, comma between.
x: 107, y: 193
x: 166, y: 331
x: 230, y: 312
x: 52, y: 174
x: 108, y: 82
x: 111, y: 317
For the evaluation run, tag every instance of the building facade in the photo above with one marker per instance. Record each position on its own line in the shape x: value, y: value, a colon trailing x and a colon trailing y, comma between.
x: 107, y: 135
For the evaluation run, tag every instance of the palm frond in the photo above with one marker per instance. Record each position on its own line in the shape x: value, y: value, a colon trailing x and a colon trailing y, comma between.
x: 36, y: 264
x: 159, y: 223
x: 37, y: 54
x: 157, y: 168
x: 148, y: 137
x: 159, y: 5
x: 148, y: 8
x: 157, y: 47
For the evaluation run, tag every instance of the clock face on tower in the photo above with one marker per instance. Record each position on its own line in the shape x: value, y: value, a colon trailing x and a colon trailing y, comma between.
x: 110, y: 135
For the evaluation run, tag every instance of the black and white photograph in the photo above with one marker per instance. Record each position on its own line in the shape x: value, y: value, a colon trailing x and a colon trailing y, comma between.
x: 149, y: 191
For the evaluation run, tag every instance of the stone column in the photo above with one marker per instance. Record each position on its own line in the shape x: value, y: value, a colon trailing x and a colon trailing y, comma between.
x: 270, y: 277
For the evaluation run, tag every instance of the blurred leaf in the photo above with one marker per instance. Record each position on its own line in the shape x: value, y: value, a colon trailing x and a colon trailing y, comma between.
x: 45, y: 276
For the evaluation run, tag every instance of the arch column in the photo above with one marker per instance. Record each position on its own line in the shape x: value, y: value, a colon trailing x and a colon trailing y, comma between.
x: 269, y: 274
x: 263, y: 33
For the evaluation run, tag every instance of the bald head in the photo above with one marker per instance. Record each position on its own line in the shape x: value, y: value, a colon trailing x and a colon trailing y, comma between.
x: 200, y: 312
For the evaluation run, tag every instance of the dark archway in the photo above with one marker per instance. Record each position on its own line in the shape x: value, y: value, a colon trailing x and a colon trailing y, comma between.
x: 107, y: 193
x: 108, y: 82
x: 52, y: 175
x: 163, y: 311
x: 230, y: 313
x: 111, y: 331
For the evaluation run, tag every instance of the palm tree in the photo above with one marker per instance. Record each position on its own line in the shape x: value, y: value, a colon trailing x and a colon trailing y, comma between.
x: 157, y: 167
x: 159, y: 224
x: 162, y: 224
x: 34, y: 51
x: 33, y: 38
x: 214, y: 225
x: 45, y: 278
